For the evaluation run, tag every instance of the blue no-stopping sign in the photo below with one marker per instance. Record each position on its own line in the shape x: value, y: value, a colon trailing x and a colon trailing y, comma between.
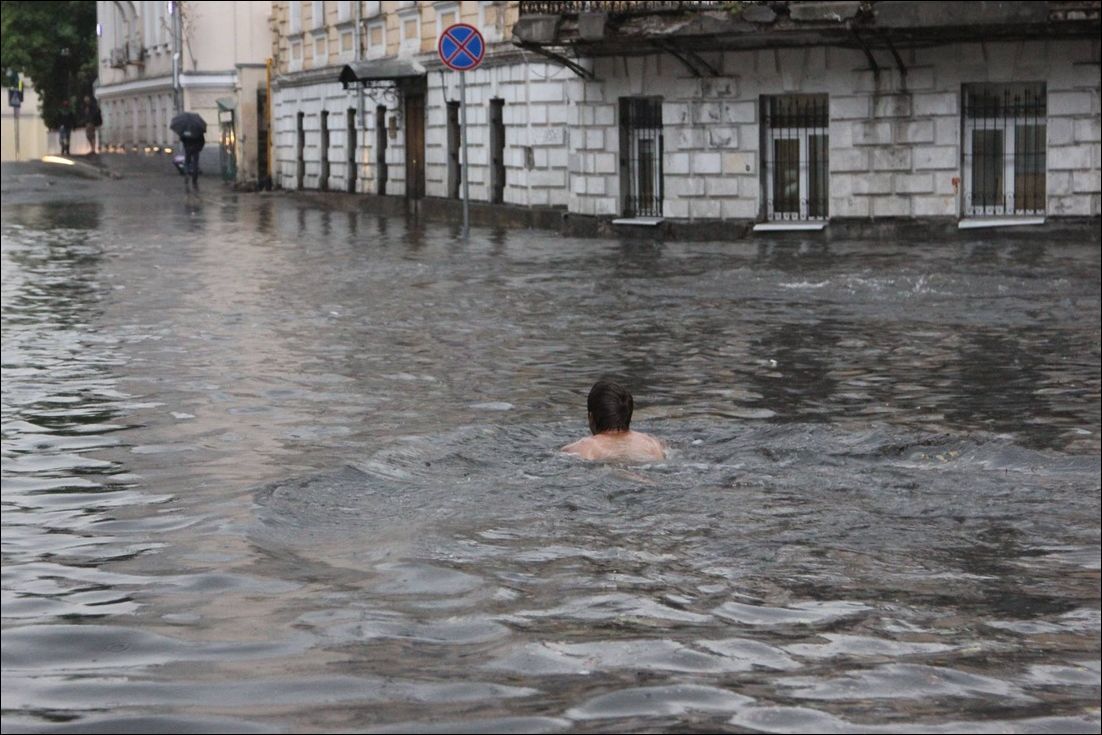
x: 461, y: 47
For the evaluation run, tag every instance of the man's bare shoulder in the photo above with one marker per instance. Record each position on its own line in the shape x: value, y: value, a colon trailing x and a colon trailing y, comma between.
x: 585, y: 448
x: 649, y: 445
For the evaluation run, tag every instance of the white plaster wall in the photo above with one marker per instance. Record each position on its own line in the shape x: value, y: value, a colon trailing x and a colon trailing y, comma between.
x: 536, y: 99
x: 537, y: 107
x: 332, y: 97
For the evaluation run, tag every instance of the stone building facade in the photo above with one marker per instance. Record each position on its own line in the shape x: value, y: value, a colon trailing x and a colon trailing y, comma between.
x: 771, y: 115
x: 896, y: 144
x: 341, y: 137
x: 218, y: 51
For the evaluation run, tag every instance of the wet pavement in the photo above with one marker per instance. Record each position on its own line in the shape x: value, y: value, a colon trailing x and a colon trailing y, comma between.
x: 269, y: 466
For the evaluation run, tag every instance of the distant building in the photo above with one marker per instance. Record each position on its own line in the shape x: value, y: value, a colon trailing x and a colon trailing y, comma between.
x: 220, y: 49
x: 779, y: 115
x: 32, y: 138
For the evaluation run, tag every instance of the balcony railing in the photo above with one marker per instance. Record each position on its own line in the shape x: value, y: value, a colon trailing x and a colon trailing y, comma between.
x: 640, y: 7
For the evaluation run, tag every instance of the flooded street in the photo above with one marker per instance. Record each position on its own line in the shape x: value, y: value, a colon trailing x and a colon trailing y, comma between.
x: 272, y: 467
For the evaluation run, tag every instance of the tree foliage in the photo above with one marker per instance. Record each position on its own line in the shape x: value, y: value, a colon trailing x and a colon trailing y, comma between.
x: 55, y: 45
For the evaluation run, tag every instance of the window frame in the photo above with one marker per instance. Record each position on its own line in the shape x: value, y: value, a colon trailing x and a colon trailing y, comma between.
x: 1008, y: 126
x: 804, y: 134
x: 409, y: 46
x: 635, y: 200
x: 373, y: 51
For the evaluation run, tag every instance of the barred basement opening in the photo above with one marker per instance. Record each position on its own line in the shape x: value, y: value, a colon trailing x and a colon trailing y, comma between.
x: 795, y: 156
x: 497, y: 150
x: 454, y: 166
x: 350, y: 151
x: 300, y: 150
x: 641, y: 156
x: 381, y: 172
x: 323, y: 177
x: 1004, y: 149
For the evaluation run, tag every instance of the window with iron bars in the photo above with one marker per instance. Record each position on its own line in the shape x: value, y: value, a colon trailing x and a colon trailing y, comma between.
x: 1004, y: 130
x: 641, y: 156
x: 795, y: 156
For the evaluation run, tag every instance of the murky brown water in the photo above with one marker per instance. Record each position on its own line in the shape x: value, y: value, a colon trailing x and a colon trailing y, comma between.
x: 274, y: 468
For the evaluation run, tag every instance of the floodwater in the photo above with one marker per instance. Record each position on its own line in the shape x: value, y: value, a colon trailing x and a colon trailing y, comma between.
x: 268, y: 467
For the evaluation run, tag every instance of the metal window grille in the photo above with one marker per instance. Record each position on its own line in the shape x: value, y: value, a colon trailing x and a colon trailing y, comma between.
x: 1004, y: 149
x: 641, y: 155
x: 795, y: 156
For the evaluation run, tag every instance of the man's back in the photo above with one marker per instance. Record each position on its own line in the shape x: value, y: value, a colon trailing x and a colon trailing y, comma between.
x: 631, y: 446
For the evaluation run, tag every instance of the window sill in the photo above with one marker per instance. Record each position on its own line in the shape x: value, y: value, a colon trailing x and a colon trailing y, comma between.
x: 643, y: 221
x: 790, y: 227
x: 974, y: 223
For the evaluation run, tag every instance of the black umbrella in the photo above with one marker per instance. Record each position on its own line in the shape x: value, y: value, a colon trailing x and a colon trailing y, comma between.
x: 188, y: 125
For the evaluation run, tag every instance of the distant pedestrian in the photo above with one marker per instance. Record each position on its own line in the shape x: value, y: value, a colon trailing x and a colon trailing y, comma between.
x: 93, y: 118
x: 192, y: 146
x: 66, y: 121
x: 191, y: 128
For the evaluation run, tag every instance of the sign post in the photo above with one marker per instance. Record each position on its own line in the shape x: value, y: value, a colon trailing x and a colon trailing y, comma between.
x: 461, y: 48
x: 15, y: 101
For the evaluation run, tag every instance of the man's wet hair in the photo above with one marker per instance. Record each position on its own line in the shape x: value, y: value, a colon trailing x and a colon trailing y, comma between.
x: 610, y: 406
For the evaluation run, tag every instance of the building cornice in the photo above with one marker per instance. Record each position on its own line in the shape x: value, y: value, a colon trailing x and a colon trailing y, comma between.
x: 501, y: 56
x: 153, y: 84
x: 192, y: 80
x: 198, y: 80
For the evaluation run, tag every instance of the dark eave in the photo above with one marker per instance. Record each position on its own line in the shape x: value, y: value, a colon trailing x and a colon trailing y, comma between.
x: 695, y: 28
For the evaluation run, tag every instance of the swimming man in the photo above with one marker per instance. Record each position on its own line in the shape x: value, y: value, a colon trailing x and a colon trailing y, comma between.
x: 610, y: 406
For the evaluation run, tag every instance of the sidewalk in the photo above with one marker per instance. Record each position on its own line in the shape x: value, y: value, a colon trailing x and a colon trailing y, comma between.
x: 151, y: 174
x: 88, y: 178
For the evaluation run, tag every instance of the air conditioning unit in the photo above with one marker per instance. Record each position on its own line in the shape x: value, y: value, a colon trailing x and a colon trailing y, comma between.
x: 118, y: 57
x: 135, y: 54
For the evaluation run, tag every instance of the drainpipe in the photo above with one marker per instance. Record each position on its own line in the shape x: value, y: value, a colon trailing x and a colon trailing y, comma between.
x: 177, y: 54
x: 357, y: 57
x: 268, y: 116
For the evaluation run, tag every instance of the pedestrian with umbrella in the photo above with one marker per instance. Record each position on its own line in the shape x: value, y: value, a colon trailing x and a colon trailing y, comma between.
x: 192, y: 129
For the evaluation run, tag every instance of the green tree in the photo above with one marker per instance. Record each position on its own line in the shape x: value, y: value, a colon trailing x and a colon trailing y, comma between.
x: 55, y: 45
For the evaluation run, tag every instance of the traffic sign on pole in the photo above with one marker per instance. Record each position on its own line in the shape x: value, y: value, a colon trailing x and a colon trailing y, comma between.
x: 461, y: 48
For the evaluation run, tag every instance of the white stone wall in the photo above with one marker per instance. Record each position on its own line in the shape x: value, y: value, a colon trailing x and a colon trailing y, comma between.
x: 537, y: 108
x: 711, y: 135
x: 896, y: 143
x: 536, y: 112
x: 895, y: 140
x: 312, y: 100
x: 1074, y: 144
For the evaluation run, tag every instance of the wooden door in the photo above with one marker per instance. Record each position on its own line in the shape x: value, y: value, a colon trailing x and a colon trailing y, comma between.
x: 415, y: 146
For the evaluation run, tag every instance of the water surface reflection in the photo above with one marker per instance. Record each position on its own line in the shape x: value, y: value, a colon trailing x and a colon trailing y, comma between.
x: 276, y: 468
